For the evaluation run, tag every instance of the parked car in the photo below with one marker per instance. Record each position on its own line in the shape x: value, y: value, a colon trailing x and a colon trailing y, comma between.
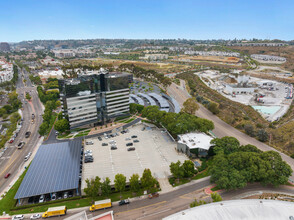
x: 136, y: 141
x: 134, y: 136
x: 100, y: 138
x: 124, y: 202
x: 113, y: 147
x: 36, y: 216
x: 11, y: 140
x: 88, y: 151
x: 56, y: 133
x: 7, y: 175
x: 129, y: 144
x: 65, y: 195
x: 41, y: 199
x: 18, y: 217
x: 20, y: 145
x: 53, y: 197
x: 70, y: 194
x: 153, y: 195
x: 89, y: 142
x: 131, y: 149
x: 89, y: 160
x: 127, y: 139
x: 104, y: 144
x: 27, y: 134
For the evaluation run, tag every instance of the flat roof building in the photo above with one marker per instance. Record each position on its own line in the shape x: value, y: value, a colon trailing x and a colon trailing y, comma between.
x: 200, y: 141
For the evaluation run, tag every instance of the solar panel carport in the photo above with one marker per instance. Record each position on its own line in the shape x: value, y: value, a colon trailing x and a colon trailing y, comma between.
x: 55, y: 168
x: 148, y: 98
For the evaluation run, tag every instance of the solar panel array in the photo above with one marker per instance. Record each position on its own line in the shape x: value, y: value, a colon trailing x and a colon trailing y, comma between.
x: 137, y: 99
x: 176, y: 105
x: 131, y: 101
x: 162, y: 102
x: 150, y: 100
x: 55, y: 168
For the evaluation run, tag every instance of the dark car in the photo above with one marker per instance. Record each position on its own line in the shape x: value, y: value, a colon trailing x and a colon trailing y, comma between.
x: 153, y: 195
x: 124, y: 202
x: 27, y: 134
x: 113, y: 148
x: 136, y: 141
x: 131, y: 149
x: 129, y: 144
x: 134, y: 136
x: 100, y: 138
x: 104, y: 144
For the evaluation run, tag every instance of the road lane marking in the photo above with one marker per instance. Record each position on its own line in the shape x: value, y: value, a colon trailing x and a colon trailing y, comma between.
x: 142, y: 207
x: 153, y: 214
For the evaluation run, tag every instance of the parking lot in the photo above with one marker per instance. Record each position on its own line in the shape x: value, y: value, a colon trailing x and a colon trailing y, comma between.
x: 155, y: 150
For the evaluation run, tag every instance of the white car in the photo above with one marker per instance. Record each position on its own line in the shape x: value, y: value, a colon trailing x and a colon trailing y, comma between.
x: 36, y: 216
x: 65, y: 195
x: 42, y: 199
x: 88, y: 151
x: 89, y: 142
x: 17, y: 217
x: 53, y: 197
x: 88, y: 154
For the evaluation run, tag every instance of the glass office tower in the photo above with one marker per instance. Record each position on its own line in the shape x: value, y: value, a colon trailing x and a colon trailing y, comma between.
x: 92, y: 99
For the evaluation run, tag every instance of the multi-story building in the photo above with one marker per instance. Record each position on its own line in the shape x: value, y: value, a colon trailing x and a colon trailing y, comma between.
x: 94, y: 99
x: 6, y: 71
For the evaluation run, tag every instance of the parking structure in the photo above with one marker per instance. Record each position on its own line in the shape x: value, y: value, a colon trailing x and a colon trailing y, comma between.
x: 154, y: 150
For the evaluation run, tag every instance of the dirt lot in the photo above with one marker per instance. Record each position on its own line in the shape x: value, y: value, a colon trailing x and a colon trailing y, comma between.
x: 212, y: 58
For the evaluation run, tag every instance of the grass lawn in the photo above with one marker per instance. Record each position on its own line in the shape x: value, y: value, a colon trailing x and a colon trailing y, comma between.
x: 83, y: 133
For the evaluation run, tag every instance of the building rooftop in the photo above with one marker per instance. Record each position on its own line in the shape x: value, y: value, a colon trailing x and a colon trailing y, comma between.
x: 196, y: 140
x: 253, y: 209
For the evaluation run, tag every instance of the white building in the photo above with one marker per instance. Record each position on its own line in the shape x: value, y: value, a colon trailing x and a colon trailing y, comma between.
x: 44, y: 75
x: 253, y: 209
x: 242, y: 87
x: 155, y: 57
x: 200, y: 141
x: 6, y: 71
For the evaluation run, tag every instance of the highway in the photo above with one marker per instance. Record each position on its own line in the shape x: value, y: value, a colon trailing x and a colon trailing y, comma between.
x: 221, y: 128
x: 12, y: 160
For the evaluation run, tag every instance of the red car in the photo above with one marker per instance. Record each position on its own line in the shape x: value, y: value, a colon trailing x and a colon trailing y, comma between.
x: 7, y: 175
x: 11, y: 141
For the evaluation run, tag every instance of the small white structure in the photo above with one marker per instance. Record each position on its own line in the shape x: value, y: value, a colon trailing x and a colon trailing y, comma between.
x: 200, y: 141
x: 235, y: 89
x: 6, y: 71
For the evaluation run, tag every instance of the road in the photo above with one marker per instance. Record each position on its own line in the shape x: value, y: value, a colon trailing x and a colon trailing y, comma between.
x: 221, y: 128
x: 12, y: 160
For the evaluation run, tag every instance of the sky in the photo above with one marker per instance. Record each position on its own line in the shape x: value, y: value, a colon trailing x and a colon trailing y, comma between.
x: 146, y: 19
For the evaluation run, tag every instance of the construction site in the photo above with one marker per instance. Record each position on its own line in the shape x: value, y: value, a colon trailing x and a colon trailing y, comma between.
x: 270, y: 98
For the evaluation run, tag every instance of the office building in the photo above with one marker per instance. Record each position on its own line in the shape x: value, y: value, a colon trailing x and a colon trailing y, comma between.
x: 89, y: 100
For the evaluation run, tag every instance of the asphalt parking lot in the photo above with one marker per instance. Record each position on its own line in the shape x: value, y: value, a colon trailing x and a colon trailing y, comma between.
x: 155, y: 150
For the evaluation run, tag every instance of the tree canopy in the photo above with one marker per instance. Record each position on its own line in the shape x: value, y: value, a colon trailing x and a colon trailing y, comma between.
x: 190, y: 106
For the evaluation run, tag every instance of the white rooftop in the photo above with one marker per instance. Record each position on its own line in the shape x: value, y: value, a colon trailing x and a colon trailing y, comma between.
x: 253, y: 209
x: 196, y: 140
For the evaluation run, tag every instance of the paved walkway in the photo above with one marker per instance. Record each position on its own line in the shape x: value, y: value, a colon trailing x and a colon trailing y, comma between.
x: 165, y: 185
x: 109, y: 127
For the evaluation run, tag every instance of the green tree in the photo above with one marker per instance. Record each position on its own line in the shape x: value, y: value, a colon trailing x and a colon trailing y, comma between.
x: 262, y: 135
x: 60, y: 116
x: 120, y: 182
x: 134, y: 183
x: 28, y: 96
x: 43, y: 128
x: 188, y: 168
x: 147, y: 180
x: 14, y: 117
x: 213, y: 107
x: 216, y: 197
x: 190, y: 106
x: 105, y: 187
x: 2, y: 111
x: 93, y: 187
x: 177, y: 170
x: 226, y: 145
x: 61, y: 125
x: 197, y: 203
x: 47, y: 115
